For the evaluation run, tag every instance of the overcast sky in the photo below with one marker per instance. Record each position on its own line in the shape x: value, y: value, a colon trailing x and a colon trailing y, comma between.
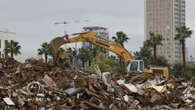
x: 33, y: 20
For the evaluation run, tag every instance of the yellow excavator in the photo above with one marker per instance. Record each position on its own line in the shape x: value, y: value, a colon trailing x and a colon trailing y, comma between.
x: 130, y: 64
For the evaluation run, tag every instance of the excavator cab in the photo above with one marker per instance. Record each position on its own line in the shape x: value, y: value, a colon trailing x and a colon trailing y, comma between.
x: 135, y: 66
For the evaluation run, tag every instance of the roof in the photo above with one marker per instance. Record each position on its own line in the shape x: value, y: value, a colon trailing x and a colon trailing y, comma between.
x: 6, y: 31
x: 94, y: 27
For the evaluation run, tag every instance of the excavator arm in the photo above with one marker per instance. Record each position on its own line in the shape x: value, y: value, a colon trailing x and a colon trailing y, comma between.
x: 130, y: 64
x: 92, y: 38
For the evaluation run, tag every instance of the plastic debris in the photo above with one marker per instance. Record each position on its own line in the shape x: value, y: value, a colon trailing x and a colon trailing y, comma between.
x: 8, y: 101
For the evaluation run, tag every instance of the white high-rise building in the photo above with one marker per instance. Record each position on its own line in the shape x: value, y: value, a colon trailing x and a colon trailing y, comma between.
x: 101, y: 31
x: 163, y: 17
x: 5, y: 36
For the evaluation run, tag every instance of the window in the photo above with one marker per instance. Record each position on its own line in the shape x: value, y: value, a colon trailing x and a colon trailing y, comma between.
x: 6, y: 41
x: 134, y: 66
x: 141, y: 66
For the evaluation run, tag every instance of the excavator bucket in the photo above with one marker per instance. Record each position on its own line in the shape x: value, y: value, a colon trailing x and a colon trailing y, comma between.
x: 55, y: 44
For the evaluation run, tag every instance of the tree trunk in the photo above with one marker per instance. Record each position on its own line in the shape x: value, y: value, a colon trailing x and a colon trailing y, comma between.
x: 71, y: 61
x: 89, y: 62
x: 184, y: 56
x: 94, y: 53
x: 155, y: 55
x: 45, y: 58
x: 123, y: 66
x: 55, y: 61
x: 12, y: 54
x: 120, y: 64
x: 83, y: 64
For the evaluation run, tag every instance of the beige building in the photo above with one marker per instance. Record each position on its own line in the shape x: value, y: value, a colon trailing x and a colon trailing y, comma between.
x: 163, y: 17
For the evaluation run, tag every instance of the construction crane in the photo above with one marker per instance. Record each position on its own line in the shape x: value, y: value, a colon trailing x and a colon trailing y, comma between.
x: 130, y: 64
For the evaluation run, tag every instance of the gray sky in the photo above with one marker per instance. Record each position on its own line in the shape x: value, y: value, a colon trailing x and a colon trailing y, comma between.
x: 33, y: 20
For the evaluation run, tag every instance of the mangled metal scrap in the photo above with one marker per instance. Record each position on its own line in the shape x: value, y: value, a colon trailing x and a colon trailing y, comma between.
x: 49, y: 87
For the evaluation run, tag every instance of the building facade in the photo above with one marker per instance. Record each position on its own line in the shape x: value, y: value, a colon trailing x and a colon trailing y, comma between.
x: 101, y: 31
x: 5, y: 36
x: 163, y: 17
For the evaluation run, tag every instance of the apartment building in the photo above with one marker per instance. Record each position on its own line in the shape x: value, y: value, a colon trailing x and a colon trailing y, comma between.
x: 163, y: 17
x: 5, y: 36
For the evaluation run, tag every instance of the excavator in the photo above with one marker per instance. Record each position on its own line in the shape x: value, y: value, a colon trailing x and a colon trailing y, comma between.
x: 130, y: 64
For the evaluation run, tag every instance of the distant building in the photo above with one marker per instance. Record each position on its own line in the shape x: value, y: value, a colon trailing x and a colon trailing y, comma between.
x: 163, y: 17
x: 5, y: 36
x: 101, y: 31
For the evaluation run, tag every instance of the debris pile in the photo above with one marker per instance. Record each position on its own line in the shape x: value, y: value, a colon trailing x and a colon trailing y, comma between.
x: 149, y: 90
x: 34, y: 85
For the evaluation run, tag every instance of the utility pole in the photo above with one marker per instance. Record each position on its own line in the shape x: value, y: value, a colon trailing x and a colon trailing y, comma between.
x: 64, y: 23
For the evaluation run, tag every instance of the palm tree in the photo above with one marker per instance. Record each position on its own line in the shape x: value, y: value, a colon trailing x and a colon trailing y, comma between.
x: 120, y: 38
x: 96, y: 50
x: 90, y: 54
x: 75, y: 56
x: 44, y: 50
x: 72, y: 53
x: 154, y: 41
x: 85, y: 55
x: 183, y: 32
x: 145, y: 53
x: 82, y: 55
x: 13, y: 48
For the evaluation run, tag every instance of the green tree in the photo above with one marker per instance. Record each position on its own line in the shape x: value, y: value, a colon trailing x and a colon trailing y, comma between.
x: 162, y: 61
x: 183, y: 32
x: 144, y: 54
x: 177, y: 70
x: 96, y: 50
x: 72, y: 53
x: 106, y: 63
x: 44, y: 50
x: 154, y: 41
x: 85, y: 55
x: 120, y: 38
x: 12, y: 48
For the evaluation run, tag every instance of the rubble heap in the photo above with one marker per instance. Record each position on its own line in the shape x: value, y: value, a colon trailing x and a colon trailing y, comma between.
x: 150, y: 90
x: 34, y: 85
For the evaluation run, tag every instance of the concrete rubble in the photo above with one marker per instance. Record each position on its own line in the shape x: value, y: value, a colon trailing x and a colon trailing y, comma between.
x: 34, y: 85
